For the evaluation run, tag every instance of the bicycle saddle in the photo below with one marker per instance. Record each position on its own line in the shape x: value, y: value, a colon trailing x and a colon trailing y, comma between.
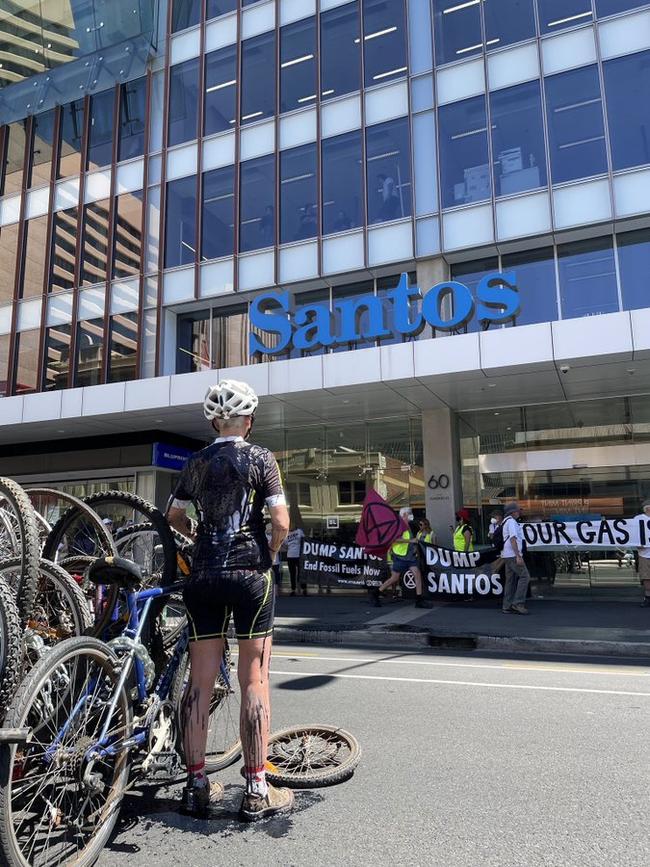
x: 115, y: 570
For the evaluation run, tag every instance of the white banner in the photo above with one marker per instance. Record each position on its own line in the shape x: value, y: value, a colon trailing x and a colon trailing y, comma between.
x: 617, y: 533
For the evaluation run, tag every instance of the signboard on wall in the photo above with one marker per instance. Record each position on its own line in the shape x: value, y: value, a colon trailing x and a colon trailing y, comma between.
x: 170, y: 457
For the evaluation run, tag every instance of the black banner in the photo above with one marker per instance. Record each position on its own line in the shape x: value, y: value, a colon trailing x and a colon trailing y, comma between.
x: 454, y: 574
x: 326, y: 564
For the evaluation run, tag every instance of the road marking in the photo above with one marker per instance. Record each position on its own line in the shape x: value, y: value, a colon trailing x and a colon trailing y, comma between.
x: 508, y: 666
x: 462, y: 683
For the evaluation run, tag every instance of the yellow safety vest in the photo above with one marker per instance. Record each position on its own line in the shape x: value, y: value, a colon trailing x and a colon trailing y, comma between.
x: 460, y: 543
x: 425, y: 537
x: 401, y: 549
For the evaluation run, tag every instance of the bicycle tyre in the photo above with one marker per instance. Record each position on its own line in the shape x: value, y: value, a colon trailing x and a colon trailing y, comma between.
x: 18, y: 717
x: 64, y: 583
x: 30, y: 545
x: 333, y: 771
x: 77, y: 507
x: 11, y: 650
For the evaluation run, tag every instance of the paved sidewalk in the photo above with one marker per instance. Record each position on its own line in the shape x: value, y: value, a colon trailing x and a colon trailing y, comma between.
x: 621, y: 627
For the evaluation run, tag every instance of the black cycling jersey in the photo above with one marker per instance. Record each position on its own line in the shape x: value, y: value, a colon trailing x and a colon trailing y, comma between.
x: 230, y: 482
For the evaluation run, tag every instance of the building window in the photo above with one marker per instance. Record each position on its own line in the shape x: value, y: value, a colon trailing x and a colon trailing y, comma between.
x: 587, y: 278
x: 219, y: 7
x: 132, y: 119
x: 384, y: 41
x: 64, y: 242
x: 388, y: 161
x: 90, y: 352
x: 122, y: 347
x: 298, y: 73
x: 220, y: 90
x: 183, y: 102
x: 180, y: 220
x: 4, y: 364
x: 127, y: 235
x: 300, y: 493
x: 27, y: 361
x: 535, y: 276
x: 352, y: 493
x: 340, y: 51
x: 507, y: 22
x: 94, y: 253
x: 230, y: 337
x: 193, y: 341
x: 72, y: 124
x: 8, y: 253
x: 185, y: 13
x: 12, y: 179
x: 342, y: 183
x: 298, y: 194
x: 518, y: 139
x: 34, y: 258
x: 575, y: 124
x: 218, y: 213
x: 470, y: 274
x: 100, y: 135
x: 555, y: 15
x: 634, y: 267
x: 257, y: 191
x: 258, y: 78
x: 627, y: 84
x: 42, y: 147
x: 56, y: 357
x: 464, y: 164
x: 457, y: 30
x: 612, y: 7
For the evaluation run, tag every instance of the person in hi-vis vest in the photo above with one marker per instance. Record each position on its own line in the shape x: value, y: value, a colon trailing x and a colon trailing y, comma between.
x: 463, y: 533
x: 404, y: 559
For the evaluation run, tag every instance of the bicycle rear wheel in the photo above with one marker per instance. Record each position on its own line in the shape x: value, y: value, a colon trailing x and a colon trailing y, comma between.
x: 10, y: 645
x: 307, y: 757
x: 58, y: 803
x: 19, y: 537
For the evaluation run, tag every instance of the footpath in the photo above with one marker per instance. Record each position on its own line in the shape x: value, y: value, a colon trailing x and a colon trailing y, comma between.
x: 584, y: 627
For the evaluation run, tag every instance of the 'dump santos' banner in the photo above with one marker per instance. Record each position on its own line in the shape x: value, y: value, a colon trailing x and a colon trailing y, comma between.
x: 461, y: 574
x: 324, y: 562
x: 598, y: 533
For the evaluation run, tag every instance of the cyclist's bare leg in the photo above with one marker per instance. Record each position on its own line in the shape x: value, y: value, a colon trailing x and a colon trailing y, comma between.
x: 205, y: 659
x: 255, y: 717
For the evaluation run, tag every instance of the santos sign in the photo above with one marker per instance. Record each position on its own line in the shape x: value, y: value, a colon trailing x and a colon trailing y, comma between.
x: 446, y: 307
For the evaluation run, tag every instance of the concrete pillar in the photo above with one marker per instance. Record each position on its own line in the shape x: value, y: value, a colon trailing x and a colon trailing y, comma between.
x: 430, y: 272
x: 442, y: 471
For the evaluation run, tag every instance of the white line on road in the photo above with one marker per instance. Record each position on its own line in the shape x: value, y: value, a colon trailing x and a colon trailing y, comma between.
x: 462, y: 683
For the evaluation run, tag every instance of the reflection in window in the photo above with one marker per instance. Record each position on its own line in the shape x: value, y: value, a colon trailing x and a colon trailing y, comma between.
x: 218, y: 213
x: 4, y: 364
x: 340, y: 51
x: 219, y: 7
x: 100, y: 135
x: 298, y: 74
x: 634, y: 266
x: 230, y: 337
x: 342, y: 183
x: 557, y: 14
x: 94, y: 253
x: 72, y: 124
x: 587, y: 278
x: 388, y: 157
x: 132, y: 119
x: 508, y: 21
x: 457, y: 29
x: 298, y: 194
x: 8, y: 251
x: 464, y: 166
x: 64, y: 240
x: 34, y: 257
x: 611, y: 7
x: 127, y: 235
x: 56, y: 357
x: 258, y: 78
x: 352, y: 493
x: 183, y: 101
x: 14, y: 158
x: 220, y: 90
x: 575, y: 124
x: 193, y: 339
x: 384, y: 40
x: 257, y: 191
x: 518, y: 139
x: 180, y: 220
x: 27, y: 361
x: 90, y: 352
x: 627, y: 84
x: 122, y: 347
x: 42, y: 145
x: 185, y: 13
x: 535, y: 276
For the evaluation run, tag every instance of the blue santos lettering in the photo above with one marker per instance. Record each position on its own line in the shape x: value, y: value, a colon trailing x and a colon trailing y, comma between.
x: 273, y: 323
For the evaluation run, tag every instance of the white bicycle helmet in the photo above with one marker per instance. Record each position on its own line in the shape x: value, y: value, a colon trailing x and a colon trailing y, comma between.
x: 228, y: 399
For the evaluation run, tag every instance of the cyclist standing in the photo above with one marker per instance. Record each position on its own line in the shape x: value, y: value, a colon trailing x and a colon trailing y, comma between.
x: 230, y: 482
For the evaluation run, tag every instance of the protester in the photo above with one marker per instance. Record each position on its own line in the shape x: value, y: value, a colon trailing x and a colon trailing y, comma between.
x: 463, y: 532
x: 426, y: 532
x: 405, y: 559
x: 495, y: 535
x: 294, y: 545
x: 517, y: 576
x: 644, y: 562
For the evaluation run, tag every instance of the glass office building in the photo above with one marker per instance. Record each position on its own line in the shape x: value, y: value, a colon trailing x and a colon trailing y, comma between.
x: 183, y: 158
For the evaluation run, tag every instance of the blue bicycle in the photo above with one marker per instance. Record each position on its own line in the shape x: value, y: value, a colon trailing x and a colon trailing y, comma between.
x: 92, y: 713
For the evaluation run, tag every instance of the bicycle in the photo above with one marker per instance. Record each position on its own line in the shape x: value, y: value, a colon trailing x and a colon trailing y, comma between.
x: 90, y: 712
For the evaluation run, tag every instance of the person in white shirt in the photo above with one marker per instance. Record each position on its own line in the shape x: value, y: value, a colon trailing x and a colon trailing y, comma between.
x: 644, y: 562
x: 294, y: 545
x: 517, y: 575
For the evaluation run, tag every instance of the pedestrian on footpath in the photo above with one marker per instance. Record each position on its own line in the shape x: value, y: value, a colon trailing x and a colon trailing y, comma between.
x: 294, y: 547
x: 495, y: 535
x: 644, y: 561
x: 517, y: 575
x: 405, y: 559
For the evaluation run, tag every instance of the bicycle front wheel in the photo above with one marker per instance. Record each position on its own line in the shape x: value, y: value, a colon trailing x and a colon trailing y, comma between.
x: 59, y: 796
x: 11, y: 650
x: 307, y: 757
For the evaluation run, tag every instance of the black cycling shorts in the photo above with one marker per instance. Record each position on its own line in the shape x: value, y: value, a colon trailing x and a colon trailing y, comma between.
x: 248, y: 596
